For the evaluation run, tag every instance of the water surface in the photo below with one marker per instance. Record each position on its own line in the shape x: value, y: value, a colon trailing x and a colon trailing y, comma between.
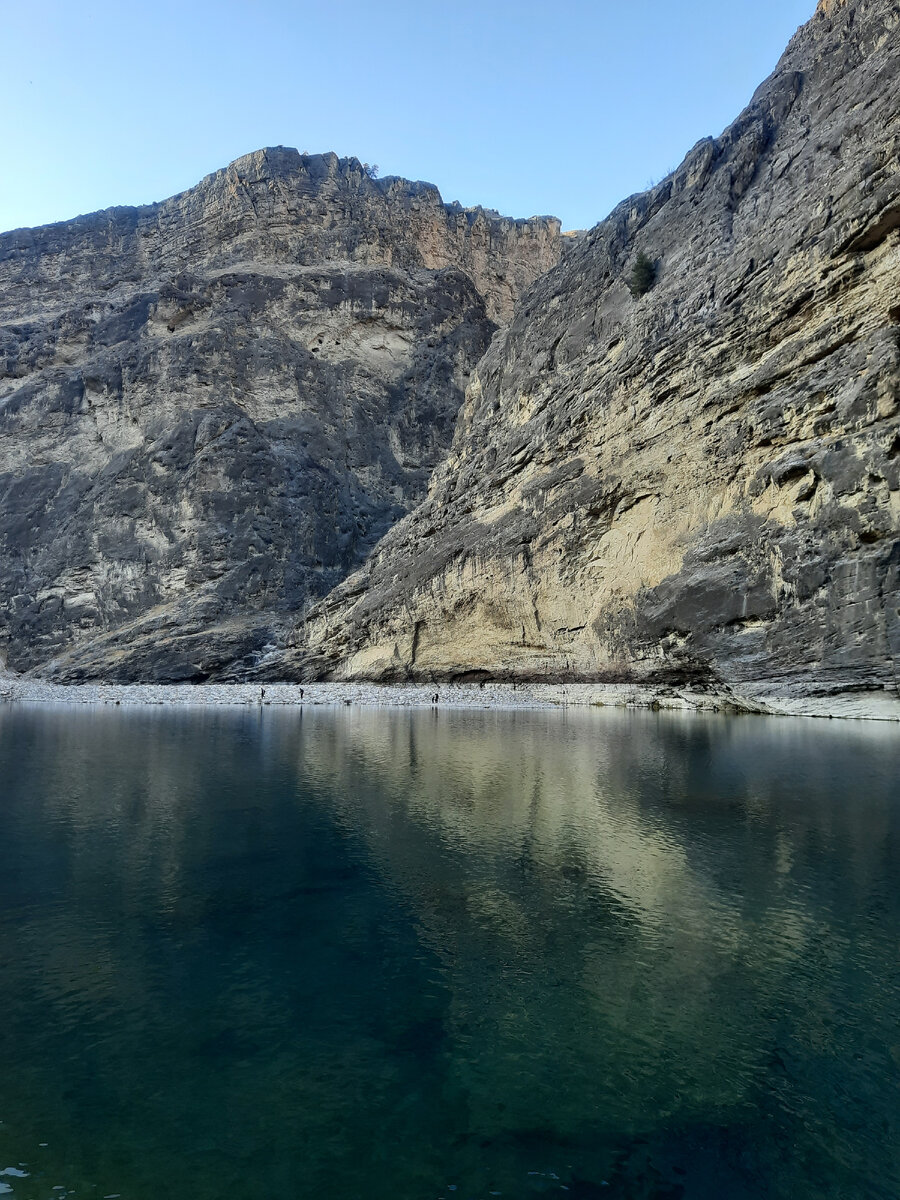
x: 397, y: 955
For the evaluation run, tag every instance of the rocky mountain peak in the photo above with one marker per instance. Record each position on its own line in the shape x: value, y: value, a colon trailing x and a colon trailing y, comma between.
x: 211, y: 408
x: 828, y: 6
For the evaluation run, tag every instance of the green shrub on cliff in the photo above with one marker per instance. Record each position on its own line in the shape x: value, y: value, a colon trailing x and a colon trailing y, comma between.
x: 643, y: 275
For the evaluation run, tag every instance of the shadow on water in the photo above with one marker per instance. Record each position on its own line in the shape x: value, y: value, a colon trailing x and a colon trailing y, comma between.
x: 391, y: 953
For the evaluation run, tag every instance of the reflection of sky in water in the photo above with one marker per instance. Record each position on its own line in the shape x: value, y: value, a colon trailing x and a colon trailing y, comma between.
x: 378, y: 953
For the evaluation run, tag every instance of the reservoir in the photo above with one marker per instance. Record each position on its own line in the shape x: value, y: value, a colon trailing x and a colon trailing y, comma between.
x: 381, y: 954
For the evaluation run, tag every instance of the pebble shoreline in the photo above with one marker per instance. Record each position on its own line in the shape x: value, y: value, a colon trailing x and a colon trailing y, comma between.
x: 874, y: 706
x: 371, y: 695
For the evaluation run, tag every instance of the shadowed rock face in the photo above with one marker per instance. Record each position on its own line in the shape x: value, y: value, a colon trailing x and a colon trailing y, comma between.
x: 212, y: 408
x: 701, y: 485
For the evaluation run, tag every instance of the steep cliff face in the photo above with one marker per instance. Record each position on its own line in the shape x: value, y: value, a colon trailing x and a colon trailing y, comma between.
x: 212, y: 408
x: 700, y: 485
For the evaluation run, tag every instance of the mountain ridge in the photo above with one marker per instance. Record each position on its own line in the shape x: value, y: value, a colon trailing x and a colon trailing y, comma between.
x: 346, y: 163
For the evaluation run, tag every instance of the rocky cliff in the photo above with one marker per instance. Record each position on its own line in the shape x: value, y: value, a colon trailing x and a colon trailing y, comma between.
x: 213, y: 407
x: 698, y: 486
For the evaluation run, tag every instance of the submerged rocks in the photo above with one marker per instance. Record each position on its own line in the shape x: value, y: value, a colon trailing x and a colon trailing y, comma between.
x: 699, y: 486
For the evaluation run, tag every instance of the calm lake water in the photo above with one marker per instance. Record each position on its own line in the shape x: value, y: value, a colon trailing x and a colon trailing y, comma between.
x: 405, y: 955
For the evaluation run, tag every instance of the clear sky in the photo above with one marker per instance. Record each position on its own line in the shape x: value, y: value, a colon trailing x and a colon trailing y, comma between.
x: 564, y: 107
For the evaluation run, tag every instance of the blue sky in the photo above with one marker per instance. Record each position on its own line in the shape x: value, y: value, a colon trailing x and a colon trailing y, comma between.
x: 561, y: 108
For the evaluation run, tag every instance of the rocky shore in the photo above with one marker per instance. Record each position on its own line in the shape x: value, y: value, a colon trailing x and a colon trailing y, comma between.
x: 863, y: 706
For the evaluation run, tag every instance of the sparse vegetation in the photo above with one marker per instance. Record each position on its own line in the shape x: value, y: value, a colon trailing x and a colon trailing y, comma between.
x: 643, y: 275
x: 371, y: 169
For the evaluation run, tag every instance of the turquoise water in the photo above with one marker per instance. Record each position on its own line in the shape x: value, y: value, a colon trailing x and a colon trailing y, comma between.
x: 383, y: 954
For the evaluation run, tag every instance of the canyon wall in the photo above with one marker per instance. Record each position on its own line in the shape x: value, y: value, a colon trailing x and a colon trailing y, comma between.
x: 699, y: 486
x: 212, y: 408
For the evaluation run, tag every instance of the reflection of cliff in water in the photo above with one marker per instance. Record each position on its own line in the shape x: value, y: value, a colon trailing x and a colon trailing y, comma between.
x: 664, y: 866
x: 509, y: 941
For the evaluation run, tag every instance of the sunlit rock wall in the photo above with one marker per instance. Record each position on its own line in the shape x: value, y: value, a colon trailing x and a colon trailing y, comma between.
x: 701, y: 485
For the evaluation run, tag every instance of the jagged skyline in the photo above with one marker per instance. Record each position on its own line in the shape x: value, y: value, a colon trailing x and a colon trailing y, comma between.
x: 108, y: 109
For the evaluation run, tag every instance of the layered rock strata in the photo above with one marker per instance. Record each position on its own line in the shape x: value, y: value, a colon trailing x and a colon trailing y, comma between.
x: 212, y: 408
x: 699, y: 486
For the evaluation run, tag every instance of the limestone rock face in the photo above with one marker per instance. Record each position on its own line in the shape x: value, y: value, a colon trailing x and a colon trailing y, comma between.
x: 700, y: 485
x: 212, y: 408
